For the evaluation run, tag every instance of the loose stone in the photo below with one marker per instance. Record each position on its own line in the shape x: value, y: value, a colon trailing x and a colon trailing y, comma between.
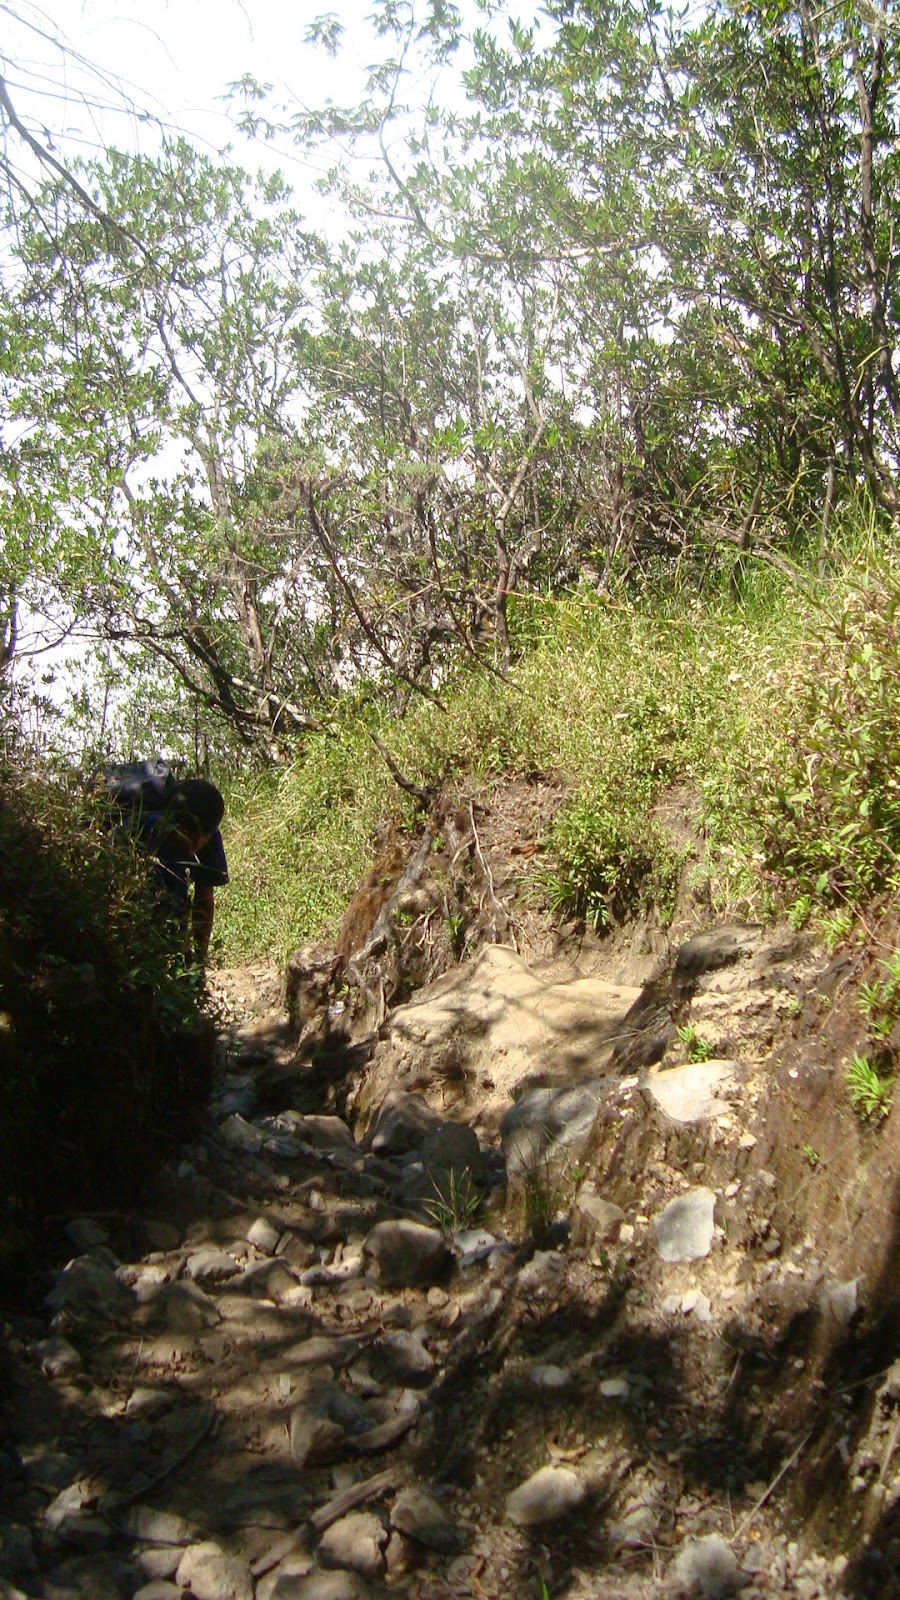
x: 157, y: 1527
x: 407, y: 1254
x: 615, y: 1388
x: 87, y: 1287
x: 263, y: 1236
x: 548, y: 1494
x: 186, y: 1308
x: 210, y: 1574
x: 210, y: 1266
x: 159, y: 1561
x: 356, y: 1542
x: 707, y: 1569
x: 423, y: 1519
x: 322, y: 1586
x: 147, y: 1403
x: 57, y: 1357
x: 401, y: 1358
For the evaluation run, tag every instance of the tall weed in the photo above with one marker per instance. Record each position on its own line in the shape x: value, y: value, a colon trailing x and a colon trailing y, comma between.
x: 829, y: 804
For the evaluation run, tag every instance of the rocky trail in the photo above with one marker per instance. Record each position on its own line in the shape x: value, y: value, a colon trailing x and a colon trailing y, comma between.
x: 574, y: 1277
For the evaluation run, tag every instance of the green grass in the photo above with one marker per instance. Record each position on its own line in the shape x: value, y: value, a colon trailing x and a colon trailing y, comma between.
x: 760, y: 711
x: 298, y: 842
x: 695, y: 1047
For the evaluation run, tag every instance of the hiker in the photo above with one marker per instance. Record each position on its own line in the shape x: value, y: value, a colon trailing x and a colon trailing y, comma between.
x: 184, y: 840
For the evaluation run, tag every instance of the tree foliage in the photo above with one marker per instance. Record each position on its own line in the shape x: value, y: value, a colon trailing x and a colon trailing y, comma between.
x: 603, y: 296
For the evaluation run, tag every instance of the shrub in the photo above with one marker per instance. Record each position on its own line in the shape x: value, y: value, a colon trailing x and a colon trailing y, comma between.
x: 610, y: 861
x: 104, y: 1053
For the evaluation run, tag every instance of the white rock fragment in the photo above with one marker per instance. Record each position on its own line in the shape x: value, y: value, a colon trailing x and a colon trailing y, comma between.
x: 841, y: 1300
x: 57, y: 1357
x: 264, y: 1236
x: 684, y: 1228
x: 695, y: 1303
x: 548, y: 1494
x: 615, y: 1388
x: 706, y: 1569
x: 549, y: 1376
x: 690, y: 1093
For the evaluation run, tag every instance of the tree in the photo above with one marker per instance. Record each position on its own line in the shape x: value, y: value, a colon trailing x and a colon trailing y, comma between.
x: 143, y: 383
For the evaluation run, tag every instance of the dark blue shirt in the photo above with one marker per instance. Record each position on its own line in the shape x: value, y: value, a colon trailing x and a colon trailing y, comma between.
x: 176, y: 868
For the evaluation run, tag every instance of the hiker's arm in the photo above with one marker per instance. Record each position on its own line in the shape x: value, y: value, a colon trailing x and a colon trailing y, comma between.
x: 202, y: 916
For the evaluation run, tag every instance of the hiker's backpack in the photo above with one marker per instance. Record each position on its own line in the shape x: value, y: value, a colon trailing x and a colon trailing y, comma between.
x: 133, y: 787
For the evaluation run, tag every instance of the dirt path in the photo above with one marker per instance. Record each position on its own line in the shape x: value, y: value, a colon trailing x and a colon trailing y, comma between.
x: 283, y: 1382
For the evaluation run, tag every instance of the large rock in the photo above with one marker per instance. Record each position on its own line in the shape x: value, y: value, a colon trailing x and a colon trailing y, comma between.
x: 82, y: 1578
x: 450, y: 1152
x: 449, y: 1176
x: 158, y: 1527
x: 549, y: 1123
x: 706, y: 1569
x: 401, y: 1123
x: 407, y: 1254
x: 401, y: 1358
x: 423, y: 1519
x: 322, y: 1586
x: 57, y: 1357
x: 328, y: 1133
x: 264, y: 1236
x: 310, y: 975
x: 715, y: 948
x: 186, y: 1308
x: 322, y: 1426
x: 88, y: 1288
x: 594, y: 1219
x: 210, y: 1265
x: 496, y: 1022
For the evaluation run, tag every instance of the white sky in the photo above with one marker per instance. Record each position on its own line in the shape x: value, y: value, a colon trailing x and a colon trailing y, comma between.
x: 175, y: 58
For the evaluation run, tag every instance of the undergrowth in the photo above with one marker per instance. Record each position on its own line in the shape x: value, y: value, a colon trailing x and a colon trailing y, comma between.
x: 104, y: 1051
x: 776, y: 716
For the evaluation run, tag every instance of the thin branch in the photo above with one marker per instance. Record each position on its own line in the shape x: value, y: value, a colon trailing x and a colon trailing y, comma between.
x: 47, y: 158
x: 424, y: 796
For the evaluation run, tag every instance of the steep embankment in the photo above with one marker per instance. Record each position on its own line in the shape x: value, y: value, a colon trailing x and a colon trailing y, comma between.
x: 512, y: 1294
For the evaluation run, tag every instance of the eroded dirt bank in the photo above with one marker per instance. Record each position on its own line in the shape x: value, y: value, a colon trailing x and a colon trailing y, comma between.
x: 508, y: 1288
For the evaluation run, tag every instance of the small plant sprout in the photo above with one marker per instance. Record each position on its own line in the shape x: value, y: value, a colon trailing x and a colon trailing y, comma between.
x: 800, y: 912
x: 880, y: 1000
x: 544, y: 1188
x: 811, y: 1156
x: 695, y: 1047
x: 456, y: 929
x: 833, y: 928
x: 457, y: 1206
x: 870, y: 1094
